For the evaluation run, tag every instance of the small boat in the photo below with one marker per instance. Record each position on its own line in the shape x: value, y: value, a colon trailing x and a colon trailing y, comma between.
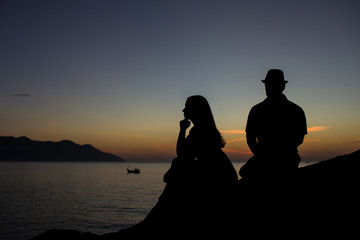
x: 135, y: 170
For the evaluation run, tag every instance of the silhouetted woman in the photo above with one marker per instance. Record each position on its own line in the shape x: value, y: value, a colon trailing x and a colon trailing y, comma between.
x: 200, y: 153
x: 201, y: 178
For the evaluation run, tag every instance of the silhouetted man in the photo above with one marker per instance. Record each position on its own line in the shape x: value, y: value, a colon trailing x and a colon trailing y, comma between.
x: 275, y: 128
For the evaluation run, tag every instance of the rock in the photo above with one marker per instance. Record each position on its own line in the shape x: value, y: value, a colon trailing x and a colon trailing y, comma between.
x: 59, y: 235
x: 328, y: 195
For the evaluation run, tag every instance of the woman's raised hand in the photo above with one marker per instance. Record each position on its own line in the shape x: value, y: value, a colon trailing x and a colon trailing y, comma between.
x: 184, y: 124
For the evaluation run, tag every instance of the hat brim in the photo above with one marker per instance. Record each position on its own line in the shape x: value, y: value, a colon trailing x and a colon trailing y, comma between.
x: 264, y: 81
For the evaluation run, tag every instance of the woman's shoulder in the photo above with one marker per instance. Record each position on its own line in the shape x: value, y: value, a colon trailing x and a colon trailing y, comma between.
x: 205, y: 136
x: 201, y: 132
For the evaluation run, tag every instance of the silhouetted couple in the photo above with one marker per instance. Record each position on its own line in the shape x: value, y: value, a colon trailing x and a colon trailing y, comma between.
x: 202, y: 186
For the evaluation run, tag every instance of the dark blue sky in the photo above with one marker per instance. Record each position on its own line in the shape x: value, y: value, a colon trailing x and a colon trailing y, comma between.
x: 117, y: 73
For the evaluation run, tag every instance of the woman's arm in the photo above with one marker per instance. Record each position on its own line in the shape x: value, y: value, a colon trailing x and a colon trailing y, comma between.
x: 180, y: 146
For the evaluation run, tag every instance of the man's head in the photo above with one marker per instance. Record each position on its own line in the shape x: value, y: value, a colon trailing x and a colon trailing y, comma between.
x: 274, y: 82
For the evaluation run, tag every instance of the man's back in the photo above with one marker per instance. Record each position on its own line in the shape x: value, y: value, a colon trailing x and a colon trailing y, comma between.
x: 275, y: 122
x: 274, y: 130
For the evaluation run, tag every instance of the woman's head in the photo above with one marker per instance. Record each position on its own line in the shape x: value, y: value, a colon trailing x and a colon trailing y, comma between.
x: 197, y: 109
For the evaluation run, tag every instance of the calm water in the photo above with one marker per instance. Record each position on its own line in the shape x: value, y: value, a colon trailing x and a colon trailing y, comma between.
x: 95, y: 197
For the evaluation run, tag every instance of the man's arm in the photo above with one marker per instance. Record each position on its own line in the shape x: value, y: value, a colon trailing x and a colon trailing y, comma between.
x: 252, y: 143
x: 301, y: 127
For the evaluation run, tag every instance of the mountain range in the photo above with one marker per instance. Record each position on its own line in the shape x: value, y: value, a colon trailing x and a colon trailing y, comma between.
x: 25, y: 149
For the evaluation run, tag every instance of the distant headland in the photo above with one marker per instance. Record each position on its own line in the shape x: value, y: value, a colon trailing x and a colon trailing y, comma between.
x: 25, y: 149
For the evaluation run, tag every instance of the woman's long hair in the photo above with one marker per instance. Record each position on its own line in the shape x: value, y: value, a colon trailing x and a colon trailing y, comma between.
x: 202, y: 112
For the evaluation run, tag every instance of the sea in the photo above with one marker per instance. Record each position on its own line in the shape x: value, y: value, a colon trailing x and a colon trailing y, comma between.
x: 86, y: 196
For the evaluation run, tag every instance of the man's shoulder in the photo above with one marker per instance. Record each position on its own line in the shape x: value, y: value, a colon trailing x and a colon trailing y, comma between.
x: 294, y: 105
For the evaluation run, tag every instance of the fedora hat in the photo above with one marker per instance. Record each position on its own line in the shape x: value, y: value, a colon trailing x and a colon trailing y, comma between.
x: 274, y: 76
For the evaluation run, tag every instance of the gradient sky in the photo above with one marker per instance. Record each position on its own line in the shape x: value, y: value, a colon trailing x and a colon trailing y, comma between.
x: 116, y: 74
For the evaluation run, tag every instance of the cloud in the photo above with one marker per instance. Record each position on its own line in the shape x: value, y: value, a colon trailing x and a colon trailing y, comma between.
x: 235, y: 140
x: 355, y: 141
x: 310, y: 129
x: 233, y: 131
x: 318, y: 128
x: 231, y: 150
x: 311, y: 140
x: 21, y: 95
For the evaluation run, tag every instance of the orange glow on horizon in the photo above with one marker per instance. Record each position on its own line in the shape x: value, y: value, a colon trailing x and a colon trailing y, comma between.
x: 309, y: 129
x: 318, y: 128
x: 233, y: 131
x: 235, y: 140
